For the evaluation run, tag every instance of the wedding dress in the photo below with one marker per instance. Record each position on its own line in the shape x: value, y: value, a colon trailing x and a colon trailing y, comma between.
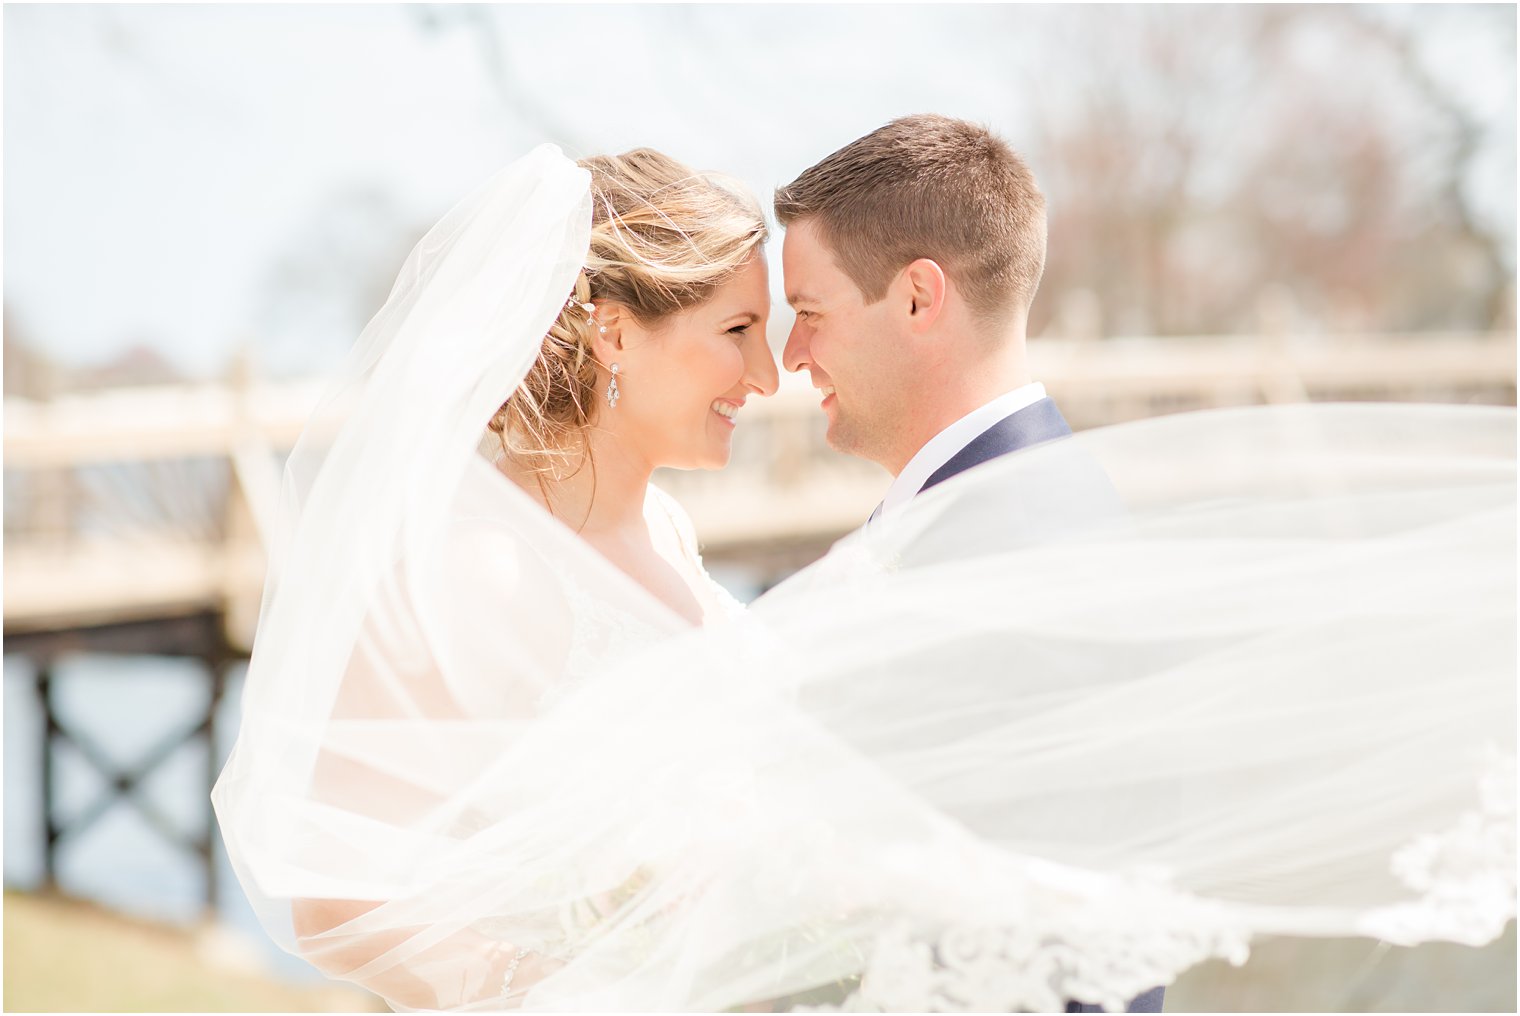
x: 1068, y: 724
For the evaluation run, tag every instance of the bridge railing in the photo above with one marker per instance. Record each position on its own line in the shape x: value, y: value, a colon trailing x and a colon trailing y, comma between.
x: 785, y: 491
x: 147, y: 501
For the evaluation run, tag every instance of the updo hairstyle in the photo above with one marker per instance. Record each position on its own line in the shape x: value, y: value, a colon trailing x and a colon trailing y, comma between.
x: 664, y: 238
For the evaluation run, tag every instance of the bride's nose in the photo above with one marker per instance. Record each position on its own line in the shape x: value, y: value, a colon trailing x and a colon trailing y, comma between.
x: 760, y: 374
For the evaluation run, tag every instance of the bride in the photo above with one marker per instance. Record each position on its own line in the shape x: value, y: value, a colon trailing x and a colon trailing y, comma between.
x: 648, y: 364
x: 504, y: 743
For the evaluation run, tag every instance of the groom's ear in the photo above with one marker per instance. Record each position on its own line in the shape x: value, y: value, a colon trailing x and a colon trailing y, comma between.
x: 925, y: 288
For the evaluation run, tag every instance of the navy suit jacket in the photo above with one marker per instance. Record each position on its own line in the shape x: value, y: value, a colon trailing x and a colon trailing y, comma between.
x: 1032, y: 425
x: 1056, y: 496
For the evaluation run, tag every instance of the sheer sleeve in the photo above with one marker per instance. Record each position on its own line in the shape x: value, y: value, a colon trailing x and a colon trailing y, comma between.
x: 429, y: 699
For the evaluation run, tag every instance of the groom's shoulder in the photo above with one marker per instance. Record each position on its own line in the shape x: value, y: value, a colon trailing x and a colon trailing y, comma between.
x: 1018, y: 498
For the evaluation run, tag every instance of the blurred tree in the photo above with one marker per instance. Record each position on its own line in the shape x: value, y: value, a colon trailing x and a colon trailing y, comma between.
x: 1488, y: 258
x: 28, y: 371
x: 1194, y: 158
x: 331, y: 274
x: 491, y: 29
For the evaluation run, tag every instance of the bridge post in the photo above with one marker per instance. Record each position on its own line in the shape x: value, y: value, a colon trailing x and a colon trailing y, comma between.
x: 217, y: 667
x: 1280, y: 382
x: 201, y: 637
x: 50, y: 830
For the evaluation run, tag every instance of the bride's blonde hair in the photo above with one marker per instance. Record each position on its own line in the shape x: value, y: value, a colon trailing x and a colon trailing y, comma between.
x: 663, y: 239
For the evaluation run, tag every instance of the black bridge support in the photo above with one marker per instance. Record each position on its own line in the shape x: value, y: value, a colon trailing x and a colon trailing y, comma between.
x: 199, y: 636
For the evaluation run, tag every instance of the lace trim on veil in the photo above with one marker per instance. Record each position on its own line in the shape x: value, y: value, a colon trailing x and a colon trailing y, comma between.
x: 1465, y: 875
x: 1142, y: 932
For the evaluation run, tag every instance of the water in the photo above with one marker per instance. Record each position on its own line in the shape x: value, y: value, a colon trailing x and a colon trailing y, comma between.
x: 126, y: 706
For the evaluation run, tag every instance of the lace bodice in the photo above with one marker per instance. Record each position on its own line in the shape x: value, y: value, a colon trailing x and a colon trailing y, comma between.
x: 603, y: 630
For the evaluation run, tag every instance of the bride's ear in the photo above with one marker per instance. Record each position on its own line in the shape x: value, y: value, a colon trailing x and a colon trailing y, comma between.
x: 607, y: 332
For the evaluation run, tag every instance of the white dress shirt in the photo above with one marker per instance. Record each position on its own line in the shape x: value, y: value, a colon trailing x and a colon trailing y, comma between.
x: 945, y: 445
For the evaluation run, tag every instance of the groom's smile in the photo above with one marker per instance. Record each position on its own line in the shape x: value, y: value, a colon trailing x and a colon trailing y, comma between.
x: 846, y: 345
x: 817, y: 291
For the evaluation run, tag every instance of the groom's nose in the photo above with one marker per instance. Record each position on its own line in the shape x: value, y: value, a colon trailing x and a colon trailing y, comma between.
x: 796, y: 354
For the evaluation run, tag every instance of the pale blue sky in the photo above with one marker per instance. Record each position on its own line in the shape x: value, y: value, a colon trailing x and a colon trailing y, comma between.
x: 195, y: 177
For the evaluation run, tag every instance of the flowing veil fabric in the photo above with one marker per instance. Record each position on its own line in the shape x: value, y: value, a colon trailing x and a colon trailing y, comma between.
x: 1074, y: 721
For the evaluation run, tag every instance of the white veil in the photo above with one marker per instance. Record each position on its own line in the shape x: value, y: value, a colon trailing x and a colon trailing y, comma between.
x: 1072, y: 722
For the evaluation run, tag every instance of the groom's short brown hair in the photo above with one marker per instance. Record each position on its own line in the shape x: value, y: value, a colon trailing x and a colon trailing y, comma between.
x: 928, y: 186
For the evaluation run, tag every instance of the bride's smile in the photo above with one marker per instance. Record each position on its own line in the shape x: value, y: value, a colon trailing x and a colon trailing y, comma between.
x: 683, y: 381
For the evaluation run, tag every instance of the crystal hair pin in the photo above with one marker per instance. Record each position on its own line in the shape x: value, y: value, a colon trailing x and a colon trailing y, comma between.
x: 589, y: 308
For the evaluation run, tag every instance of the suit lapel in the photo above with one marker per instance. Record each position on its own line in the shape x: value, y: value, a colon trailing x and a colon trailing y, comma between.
x: 1032, y: 425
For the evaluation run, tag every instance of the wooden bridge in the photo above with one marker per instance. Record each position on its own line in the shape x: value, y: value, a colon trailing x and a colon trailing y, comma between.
x: 137, y: 519
x: 156, y: 502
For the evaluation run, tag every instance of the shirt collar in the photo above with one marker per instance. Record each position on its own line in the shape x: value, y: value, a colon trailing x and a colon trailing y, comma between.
x: 942, y: 447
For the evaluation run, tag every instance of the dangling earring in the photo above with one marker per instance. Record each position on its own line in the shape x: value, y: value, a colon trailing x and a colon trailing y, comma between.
x: 612, y: 388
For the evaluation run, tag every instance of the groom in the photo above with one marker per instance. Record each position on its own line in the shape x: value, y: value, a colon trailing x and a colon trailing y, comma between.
x: 911, y: 258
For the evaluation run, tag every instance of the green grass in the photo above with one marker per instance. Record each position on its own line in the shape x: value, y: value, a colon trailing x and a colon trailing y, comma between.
x: 64, y: 955
x: 1353, y: 975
